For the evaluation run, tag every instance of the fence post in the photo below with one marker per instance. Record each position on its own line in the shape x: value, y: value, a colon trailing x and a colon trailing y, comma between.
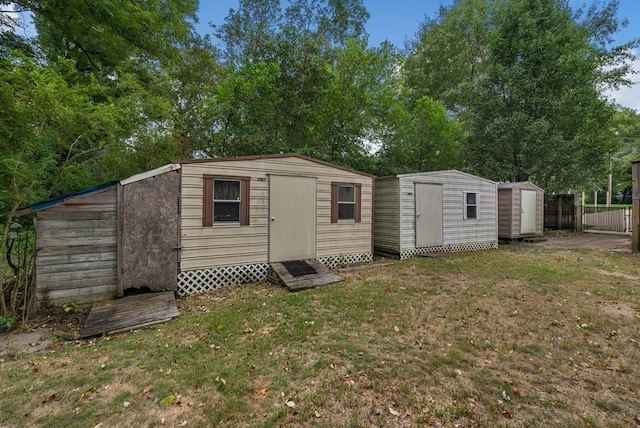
x: 577, y: 211
x: 635, y: 207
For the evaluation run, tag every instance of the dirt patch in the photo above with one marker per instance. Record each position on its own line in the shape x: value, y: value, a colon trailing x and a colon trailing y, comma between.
x: 38, y: 335
x: 619, y: 309
x: 602, y: 241
x: 22, y: 343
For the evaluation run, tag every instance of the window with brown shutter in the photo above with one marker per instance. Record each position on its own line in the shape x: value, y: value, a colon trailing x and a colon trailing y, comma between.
x: 346, y: 201
x: 225, y: 200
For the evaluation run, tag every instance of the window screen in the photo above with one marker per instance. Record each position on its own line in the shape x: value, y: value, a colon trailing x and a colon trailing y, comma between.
x: 471, y: 205
x: 226, y: 201
x: 346, y: 202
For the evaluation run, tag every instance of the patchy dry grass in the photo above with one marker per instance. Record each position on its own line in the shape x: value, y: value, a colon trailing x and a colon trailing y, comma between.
x: 517, y: 337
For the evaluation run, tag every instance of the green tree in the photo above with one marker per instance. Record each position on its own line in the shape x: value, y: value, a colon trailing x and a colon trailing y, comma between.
x: 525, y: 77
x: 98, y: 36
x: 537, y: 113
x: 300, y: 79
x: 626, y: 127
x: 192, y: 76
x: 242, y: 110
x: 361, y: 87
x: 250, y: 32
x: 425, y: 138
x: 450, y: 53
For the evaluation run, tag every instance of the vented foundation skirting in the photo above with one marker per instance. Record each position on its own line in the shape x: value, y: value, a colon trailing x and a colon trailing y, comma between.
x: 203, y: 280
x: 453, y: 248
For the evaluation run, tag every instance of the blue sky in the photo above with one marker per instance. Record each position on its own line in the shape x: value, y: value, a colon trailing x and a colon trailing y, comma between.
x: 398, y: 21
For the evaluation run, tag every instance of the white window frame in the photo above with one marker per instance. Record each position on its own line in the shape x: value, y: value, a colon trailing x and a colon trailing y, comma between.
x: 466, y: 204
x: 354, y: 202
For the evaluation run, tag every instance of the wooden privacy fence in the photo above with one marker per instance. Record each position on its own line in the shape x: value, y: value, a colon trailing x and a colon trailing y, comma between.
x: 618, y: 220
x: 561, y: 212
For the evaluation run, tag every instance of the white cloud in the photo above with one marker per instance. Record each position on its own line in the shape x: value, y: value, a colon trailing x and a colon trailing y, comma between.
x: 628, y: 96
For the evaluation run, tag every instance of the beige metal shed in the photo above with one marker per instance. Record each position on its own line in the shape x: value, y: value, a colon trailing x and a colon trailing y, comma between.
x: 520, y: 210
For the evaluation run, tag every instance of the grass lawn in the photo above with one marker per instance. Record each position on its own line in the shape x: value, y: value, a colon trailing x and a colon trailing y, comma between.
x: 517, y: 337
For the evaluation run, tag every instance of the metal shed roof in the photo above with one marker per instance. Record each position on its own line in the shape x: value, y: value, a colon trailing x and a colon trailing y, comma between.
x: 513, y: 185
x: 57, y: 201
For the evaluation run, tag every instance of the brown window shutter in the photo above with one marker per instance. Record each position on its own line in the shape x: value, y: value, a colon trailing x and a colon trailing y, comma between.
x: 245, y: 199
x: 358, y: 203
x: 334, y: 202
x: 207, y: 202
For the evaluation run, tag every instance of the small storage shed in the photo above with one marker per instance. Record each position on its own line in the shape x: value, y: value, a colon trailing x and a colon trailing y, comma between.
x: 195, y: 225
x: 429, y: 212
x: 520, y: 210
x: 106, y: 240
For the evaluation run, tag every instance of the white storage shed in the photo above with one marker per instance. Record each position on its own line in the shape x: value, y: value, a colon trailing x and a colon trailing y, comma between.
x: 432, y: 212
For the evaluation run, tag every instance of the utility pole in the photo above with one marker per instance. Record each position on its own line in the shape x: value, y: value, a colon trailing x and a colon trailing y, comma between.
x: 609, y: 189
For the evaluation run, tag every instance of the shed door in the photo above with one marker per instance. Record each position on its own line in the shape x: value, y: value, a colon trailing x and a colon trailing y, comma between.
x: 150, y: 228
x: 428, y: 215
x: 527, y: 211
x: 292, y: 218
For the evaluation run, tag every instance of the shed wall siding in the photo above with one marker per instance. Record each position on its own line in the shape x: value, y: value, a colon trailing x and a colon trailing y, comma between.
x: 229, y: 245
x: 76, y: 250
x: 507, y: 220
x: 387, y: 214
x: 456, y: 230
x: 540, y: 213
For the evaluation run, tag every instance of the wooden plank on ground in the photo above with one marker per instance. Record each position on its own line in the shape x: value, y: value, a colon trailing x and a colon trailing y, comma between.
x: 323, y: 276
x: 128, y: 313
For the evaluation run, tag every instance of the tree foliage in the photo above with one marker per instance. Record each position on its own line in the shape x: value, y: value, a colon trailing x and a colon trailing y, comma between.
x: 626, y: 127
x: 450, y: 53
x: 300, y: 79
x: 424, y: 138
x: 98, y: 36
x: 525, y: 77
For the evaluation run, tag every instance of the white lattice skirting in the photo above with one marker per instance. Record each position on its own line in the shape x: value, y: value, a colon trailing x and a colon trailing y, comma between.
x: 203, y: 280
x: 346, y: 259
x: 452, y: 248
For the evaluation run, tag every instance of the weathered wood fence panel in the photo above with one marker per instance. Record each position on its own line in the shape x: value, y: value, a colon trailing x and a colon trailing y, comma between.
x: 618, y: 220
